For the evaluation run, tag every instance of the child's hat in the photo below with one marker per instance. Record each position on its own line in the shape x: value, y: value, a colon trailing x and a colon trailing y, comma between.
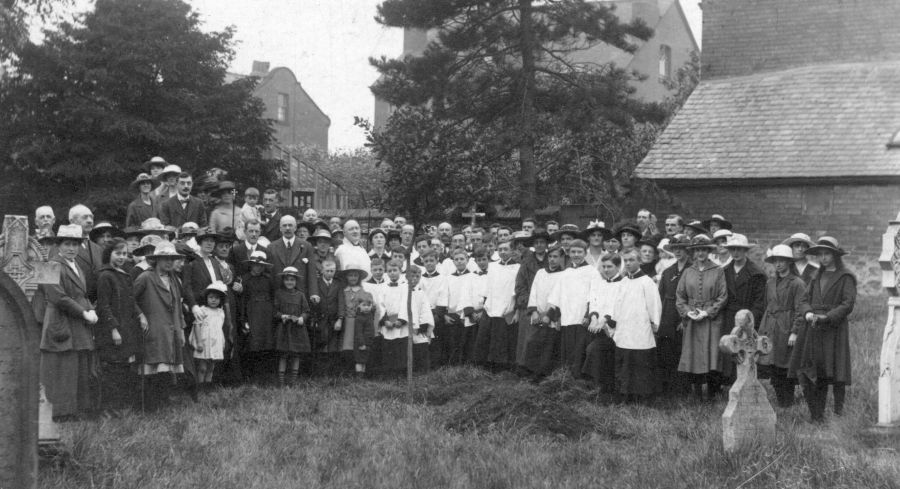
x: 290, y: 272
x: 353, y: 268
x: 259, y: 258
x: 319, y: 234
x: 217, y: 286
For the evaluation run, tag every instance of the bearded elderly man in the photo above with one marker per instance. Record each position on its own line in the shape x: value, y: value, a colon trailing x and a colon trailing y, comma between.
x: 90, y: 254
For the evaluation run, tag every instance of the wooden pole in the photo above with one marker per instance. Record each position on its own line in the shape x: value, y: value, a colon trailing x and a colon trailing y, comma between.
x: 409, y: 342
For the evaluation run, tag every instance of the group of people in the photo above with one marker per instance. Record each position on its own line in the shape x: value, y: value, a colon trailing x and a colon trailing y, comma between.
x: 251, y: 294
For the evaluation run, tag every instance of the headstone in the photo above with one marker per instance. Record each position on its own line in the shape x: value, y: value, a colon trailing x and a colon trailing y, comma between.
x: 19, y: 392
x: 889, y: 367
x: 749, y: 417
x: 25, y: 260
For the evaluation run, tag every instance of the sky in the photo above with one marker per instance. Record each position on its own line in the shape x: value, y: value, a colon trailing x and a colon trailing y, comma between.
x: 326, y: 43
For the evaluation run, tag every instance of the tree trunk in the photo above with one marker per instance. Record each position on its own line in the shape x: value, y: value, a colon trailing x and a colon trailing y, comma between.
x: 527, y: 181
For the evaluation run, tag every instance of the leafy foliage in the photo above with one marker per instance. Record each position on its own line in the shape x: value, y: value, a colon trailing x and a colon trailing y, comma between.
x: 129, y: 80
x: 497, y: 76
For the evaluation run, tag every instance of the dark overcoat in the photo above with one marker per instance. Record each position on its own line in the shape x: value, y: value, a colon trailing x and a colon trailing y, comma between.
x: 64, y: 326
x: 785, y: 307
x: 670, y: 319
x: 172, y: 214
x: 823, y: 351
x: 117, y: 310
x: 256, y: 310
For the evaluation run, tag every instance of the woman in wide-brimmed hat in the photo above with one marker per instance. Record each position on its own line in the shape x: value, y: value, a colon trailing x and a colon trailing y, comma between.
x: 168, y: 179
x: 721, y: 256
x: 700, y: 297
x: 804, y: 265
x: 717, y: 222
x: 695, y: 228
x: 782, y: 321
x: 595, y: 234
x: 104, y: 232
x: 67, y: 341
x: 821, y: 355
x: 159, y: 295
x: 145, y: 205
x: 746, y: 283
x: 378, y: 245
x: 226, y: 214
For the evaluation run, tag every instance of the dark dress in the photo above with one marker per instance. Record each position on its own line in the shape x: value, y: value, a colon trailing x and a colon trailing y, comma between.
x: 290, y: 336
x: 116, y: 310
x: 257, y: 311
x: 668, y: 341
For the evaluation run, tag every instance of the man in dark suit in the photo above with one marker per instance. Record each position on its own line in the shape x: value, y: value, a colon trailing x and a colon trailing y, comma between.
x: 270, y: 217
x: 204, y: 270
x: 241, y: 251
x: 183, y: 208
x: 90, y: 254
x: 291, y: 251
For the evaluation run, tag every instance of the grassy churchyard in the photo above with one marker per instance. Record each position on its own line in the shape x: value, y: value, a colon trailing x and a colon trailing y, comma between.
x: 468, y: 428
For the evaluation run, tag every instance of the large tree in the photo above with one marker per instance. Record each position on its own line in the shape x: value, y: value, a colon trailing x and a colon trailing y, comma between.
x: 504, y: 71
x: 131, y: 79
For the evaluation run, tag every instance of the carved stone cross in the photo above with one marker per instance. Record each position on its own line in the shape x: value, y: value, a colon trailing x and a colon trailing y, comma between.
x: 749, y: 416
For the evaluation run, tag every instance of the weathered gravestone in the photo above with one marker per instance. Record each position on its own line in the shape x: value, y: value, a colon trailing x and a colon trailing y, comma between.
x: 748, y: 418
x: 19, y: 381
x: 23, y: 266
x: 889, y: 368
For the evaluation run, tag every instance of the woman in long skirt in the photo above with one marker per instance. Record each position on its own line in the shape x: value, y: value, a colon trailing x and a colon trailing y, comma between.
x: 700, y: 296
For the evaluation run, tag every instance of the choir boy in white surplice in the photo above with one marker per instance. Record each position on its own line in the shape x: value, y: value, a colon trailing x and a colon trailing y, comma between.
x: 540, y: 351
x: 422, y: 320
x: 636, y: 311
x: 455, y: 345
x: 600, y: 362
x: 434, y: 284
x: 495, y: 345
x: 569, y: 305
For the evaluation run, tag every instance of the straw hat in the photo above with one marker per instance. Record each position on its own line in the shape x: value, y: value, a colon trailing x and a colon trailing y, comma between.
x: 170, y: 169
x: 319, y: 234
x: 154, y: 226
x: 67, y: 231
x: 156, y: 161
x: 722, y: 233
x: 738, y: 241
x: 218, y: 287
x: 540, y: 233
x: 826, y: 243
x: 133, y: 231
x: 148, y: 244
x: 141, y: 178
x: 522, y: 237
x: 798, y: 238
x: 596, y: 226
x: 779, y: 251
x: 258, y: 258
x: 701, y: 241
x: 165, y: 249
x: 723, y: 223
x: 207, y: 232
x: 222, y: 187
x: 290, y: 272
x: 188, y: 229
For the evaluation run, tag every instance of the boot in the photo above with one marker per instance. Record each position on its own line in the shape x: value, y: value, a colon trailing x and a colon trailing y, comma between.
x: 292, y: 377
x: 840, y: 393
x: 811, y: 394
x: 281, y: 378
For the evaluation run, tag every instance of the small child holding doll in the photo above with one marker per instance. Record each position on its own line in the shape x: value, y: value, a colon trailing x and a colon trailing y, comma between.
x: 208, y: 334
x: 291, y: 316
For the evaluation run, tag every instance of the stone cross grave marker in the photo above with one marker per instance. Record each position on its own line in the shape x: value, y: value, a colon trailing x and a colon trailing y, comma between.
x: 889, y: 366
x: 19, y: 353
x: 748, y: 418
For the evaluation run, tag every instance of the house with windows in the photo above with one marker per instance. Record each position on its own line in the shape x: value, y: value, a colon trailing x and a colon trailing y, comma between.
x: 795, y: 125
x: 297, y: 120
x: 657, y: 58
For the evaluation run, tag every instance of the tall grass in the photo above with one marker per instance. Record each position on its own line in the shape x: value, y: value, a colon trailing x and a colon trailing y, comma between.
x: 467, y: 428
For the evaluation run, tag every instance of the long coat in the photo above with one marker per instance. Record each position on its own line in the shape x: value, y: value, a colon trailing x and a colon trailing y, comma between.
x: 668, y: 286
x: 823, y: 351
x: 164, y: 341
x: 90, y: 260
x: 525, y: 277
x: 299, y: 256
x: 64, y: 326
x: 117, y: 310
x: 785, y: 307
x: 701, y: 287
x: 746, y: 290
x: 256, y: 309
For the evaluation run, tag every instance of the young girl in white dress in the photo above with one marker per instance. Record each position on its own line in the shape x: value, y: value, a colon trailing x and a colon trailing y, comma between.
x: 208, y: 335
